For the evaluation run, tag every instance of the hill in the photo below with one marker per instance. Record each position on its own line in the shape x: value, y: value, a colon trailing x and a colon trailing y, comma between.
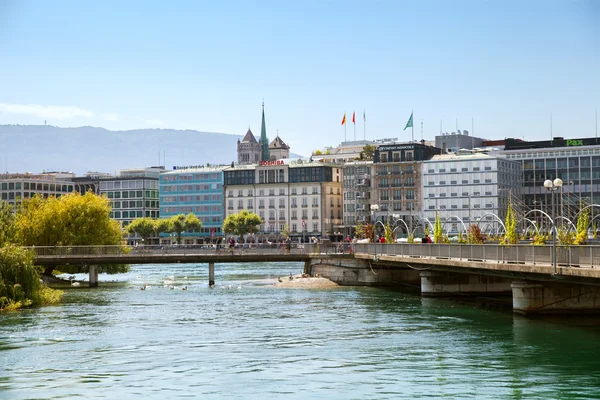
x: 34, y: 148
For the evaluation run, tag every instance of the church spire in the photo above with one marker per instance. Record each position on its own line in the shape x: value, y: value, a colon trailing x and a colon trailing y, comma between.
x: 264, y: 142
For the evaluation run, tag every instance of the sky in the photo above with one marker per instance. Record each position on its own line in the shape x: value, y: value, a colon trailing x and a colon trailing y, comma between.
x: 498, y: 69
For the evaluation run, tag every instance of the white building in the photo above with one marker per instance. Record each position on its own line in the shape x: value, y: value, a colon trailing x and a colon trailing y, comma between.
x: 469, y: 188
x: 358, y: 192
x: 304, y: 197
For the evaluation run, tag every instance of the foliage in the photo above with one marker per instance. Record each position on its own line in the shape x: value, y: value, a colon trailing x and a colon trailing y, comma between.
x: 411, y: 238
x: 565, y: 236
x: 539, y: 239
x: 427, y: 233
x: 461, y: 238
x: 318, y: 152
x: 367, y: 152
x: 70, y: 220
x: 180, y: 223
x: 286, y: 231
x: 20, y: 284
x: 359, y: 230
x: 144, y: 227
x: 369, y: 232
x: 7, y: 222
x: 582, y: 228
x: 242, y: 223
x: 475, y: 236
x: 163, y: 225
x: 437, y: 229
x: 510, y: 235
x: 389, y: 234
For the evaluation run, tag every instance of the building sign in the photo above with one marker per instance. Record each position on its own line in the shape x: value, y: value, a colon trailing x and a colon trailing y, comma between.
x: 175, y: 167
x: 269, y: 163
x: 574, y: 142
x: 396, y: 147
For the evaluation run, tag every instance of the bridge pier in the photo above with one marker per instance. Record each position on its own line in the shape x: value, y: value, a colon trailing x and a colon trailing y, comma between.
x: 211, y: 274
x: 93, y: 275
x: 555, y: 298
x: 448, y: 284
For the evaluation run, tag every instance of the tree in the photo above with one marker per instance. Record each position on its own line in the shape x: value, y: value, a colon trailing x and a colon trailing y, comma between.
x: 359, y: 230
x: 145, y: 227
x: 582, y: 228
x: 437, y: 229
x: 7, y: 222
x: 242, y: 223
x: 180, y: 223
x: 389, y: 234
x: 369, y: 232
x: 510, y: 236
x: 318, y: 152
x: 285, y: 232
x: 367, y: 152
x: 20, y: 284
x: 70, y: 220
x: 475, y: 235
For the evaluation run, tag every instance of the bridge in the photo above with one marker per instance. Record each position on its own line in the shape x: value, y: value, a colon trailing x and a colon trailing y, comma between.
x: 524, y: 271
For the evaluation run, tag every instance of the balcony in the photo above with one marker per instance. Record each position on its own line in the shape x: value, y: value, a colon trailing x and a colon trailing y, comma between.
x: 304, y: 205
x: 271, y: 218
x: 315, y: 217
x: 282, y: 206
x: 261, y: 207
x: 272, y: 207
x: 294, y: 206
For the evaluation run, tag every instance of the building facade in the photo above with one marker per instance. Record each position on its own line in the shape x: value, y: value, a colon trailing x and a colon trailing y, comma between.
x: 468, y: 187
x: 133, y: 193
x: 398, y: 182
x: 16, y: 187
x: 357, y: 178
x: 304, y: 198
x: 197, y: 190
x: 248, y: 149
x: 278, y: 149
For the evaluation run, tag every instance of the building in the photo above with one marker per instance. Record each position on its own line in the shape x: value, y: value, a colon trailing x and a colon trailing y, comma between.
x: 357, y: 178
x: 249, y: 151
x: 469, y: 187
x: 304, y: 198
x: 453, y: 142
x: 278, y: 150
x: 575, y: 161
x: 398, y: 182
x: 15, y: 187
x: 348, y: 151
x: 133, y: 193
x: 197, y: 190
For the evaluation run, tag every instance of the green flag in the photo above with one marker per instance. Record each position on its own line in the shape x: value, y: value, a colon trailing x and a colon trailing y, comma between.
x: 409, y: 124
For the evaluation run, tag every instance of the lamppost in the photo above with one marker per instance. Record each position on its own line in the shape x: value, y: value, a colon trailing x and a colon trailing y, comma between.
x: 374, y: 209
x: 553, y: 187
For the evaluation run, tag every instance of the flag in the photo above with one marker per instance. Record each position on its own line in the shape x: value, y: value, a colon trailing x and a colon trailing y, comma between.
x: 354, y: 117
x: 409, y: 124
x: 344, y: 119
x: 364, y: 116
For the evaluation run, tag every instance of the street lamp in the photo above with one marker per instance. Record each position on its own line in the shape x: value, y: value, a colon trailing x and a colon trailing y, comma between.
x: 553, y: 187
x: 374, y: 209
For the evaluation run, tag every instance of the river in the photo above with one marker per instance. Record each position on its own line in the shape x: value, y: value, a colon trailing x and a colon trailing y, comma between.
x: 245, y: 339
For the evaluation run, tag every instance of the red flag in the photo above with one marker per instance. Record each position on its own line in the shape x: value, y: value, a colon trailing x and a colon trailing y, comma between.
x: 344, y: 119
x: 354, y: 117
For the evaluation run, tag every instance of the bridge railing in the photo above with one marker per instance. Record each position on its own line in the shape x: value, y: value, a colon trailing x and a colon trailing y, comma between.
x: 160, y: 250
x: 588, y: 256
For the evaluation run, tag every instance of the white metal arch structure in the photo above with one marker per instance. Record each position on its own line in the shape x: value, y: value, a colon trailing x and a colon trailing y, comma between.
x: 497, y: 219
x: 534, y: 211
x: 585, y: 208
x: 421, y: 219
x: 537, y: 230
x: 569, y: 221
x: 449, y: 218
x: 396, y: 227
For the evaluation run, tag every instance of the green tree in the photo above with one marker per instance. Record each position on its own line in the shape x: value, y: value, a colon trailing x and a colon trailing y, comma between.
x: 359, y: 230
x: 20, y: 284
x: 285, y: 232
x: 144, y: 227
x: 582, y: 228
x: 181, y: 223
x: 510, y: 235
x: 70, y: 220
x: 7, y: 222
x: 389, y: 234
x: 437, y: 229
x: 367, y: 152
x: 242, y: 223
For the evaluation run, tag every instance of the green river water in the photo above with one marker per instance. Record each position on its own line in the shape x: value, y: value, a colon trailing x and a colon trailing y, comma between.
x: 245, y: 339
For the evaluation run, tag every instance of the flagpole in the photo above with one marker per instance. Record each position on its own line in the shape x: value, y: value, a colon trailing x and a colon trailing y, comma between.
x: 364, y: 125
x: 345, y: 123
x: 412, y: 128
x: 354, y: 123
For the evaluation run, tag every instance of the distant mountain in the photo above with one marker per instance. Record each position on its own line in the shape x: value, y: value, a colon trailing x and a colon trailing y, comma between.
x: 35, y: 148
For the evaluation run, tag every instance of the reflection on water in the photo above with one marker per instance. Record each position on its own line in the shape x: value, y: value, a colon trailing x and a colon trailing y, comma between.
x: 245, y: 339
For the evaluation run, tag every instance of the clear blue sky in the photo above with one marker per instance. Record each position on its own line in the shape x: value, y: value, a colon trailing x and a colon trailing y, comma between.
x: 207, y: 65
